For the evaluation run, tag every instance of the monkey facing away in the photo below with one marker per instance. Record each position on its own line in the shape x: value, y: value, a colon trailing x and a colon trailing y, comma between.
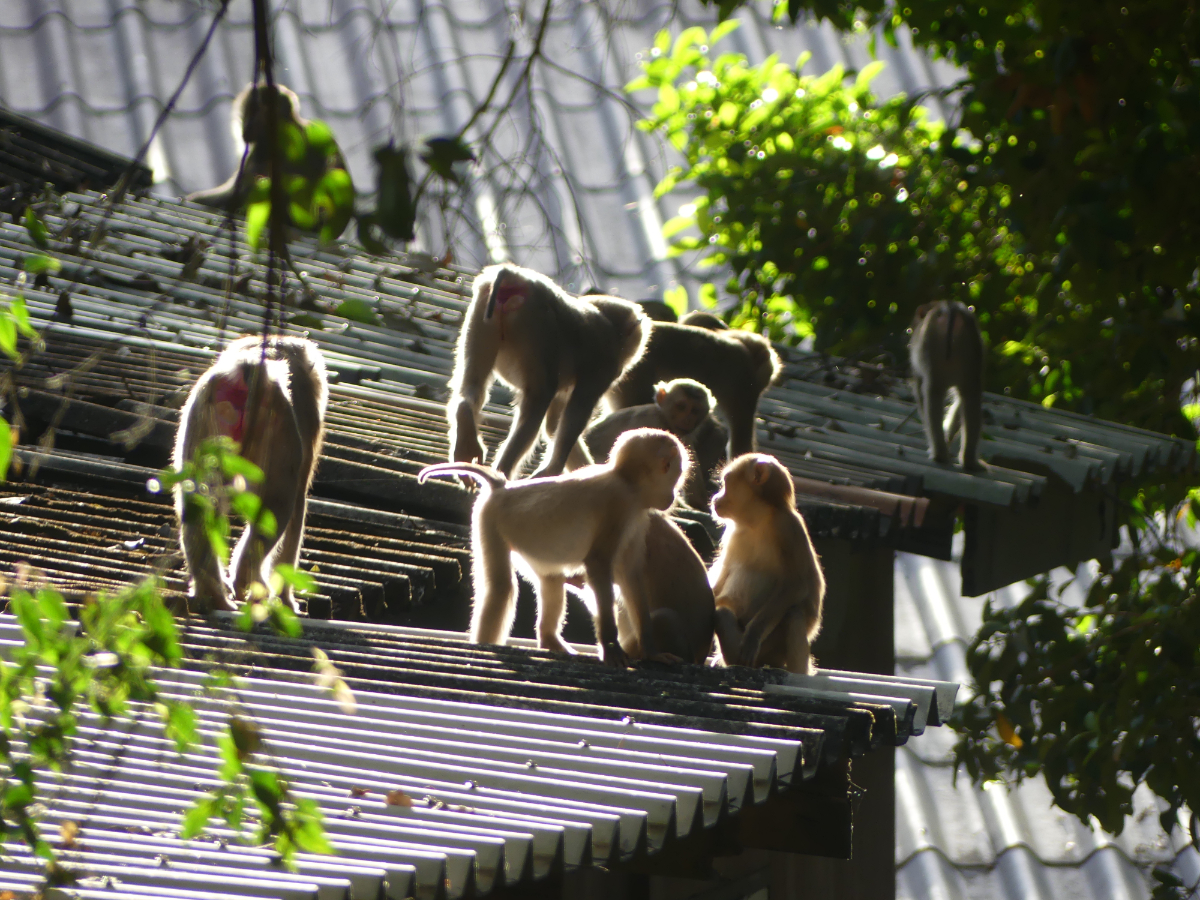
x: 559, y: 525
x: 946, y: 351
x: 767, y: 579
x: 666, y: 610
x: 307, y: 152
x: 736, y: 366
x: 559, y: 353
x: 272, y: 402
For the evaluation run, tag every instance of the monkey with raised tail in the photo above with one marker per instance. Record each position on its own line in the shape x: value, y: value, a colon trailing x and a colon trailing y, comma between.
x: 271, y: 400
x: 560, y: 525
x: 559, y: 353
x: 946, y: 351
x: 767, y: 579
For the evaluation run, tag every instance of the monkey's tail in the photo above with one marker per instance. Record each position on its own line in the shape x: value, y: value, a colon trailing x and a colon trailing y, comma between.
x: 491, y: 304
x: 482, y: 474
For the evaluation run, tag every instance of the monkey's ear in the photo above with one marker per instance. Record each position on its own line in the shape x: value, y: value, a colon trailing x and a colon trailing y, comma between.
x: 660, y: 395
x: 762, y: 471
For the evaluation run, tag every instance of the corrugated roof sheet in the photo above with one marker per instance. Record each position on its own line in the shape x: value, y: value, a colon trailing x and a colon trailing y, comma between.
x: 566, y: 175
x: 510, y: 767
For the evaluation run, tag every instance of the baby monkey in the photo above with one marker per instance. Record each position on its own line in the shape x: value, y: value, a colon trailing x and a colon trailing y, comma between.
x: 679, y: 407
x: 767, y: 579
x: 559, y: 353
x: 666, y: 611
x: 271, y: 400
x: 946, y: 350
x: 560, y: 525
x: 683, y: 407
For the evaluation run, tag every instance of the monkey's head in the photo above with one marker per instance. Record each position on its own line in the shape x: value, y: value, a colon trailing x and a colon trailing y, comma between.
x: 684, y: 404
x: 752, y: 485
x: 250, y: 105
x: 654, y: 462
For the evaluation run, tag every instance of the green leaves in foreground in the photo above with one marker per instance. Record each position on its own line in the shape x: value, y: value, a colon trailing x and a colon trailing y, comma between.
x: 104, y: 664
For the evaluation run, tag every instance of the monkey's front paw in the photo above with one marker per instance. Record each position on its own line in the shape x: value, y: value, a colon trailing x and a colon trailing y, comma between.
x: 613, y: 655
x: 468, y: 450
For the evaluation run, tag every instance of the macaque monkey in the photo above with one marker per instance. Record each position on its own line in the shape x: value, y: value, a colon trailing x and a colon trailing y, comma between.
x: 560, y: 525
x: 767, y: 579
x: 658, y: 311
x: 666, y: 610
x: 708, y: 445
x: 946, y: 350
x: 736, y: 366
x: 679, y: 407
x: 272, y: 402
x: 700, y: 319
x: 249, y: 120
x: 559, y: 353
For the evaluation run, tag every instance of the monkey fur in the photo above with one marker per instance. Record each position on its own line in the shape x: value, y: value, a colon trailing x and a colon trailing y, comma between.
x: 767, y: 579
x: 666, y: 610
x: 559, y: 525
x: 249, y: 120
x: 272, y: 402
x: 700, y: 319
x: 559, y: 353
x: 736, y: 366
x: 946, y: 352
x: 682, y: 407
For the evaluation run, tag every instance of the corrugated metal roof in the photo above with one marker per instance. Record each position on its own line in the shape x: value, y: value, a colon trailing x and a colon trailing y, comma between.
x: 954, y: 841
x: 566, y: 173
x: 142, y: 333
x: 510, y: 767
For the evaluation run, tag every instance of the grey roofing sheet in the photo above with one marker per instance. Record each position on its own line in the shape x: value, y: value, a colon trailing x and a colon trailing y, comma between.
x: 824, y: 420
x: 568, y: 178
x: 957, y: 842
x: 510, y: 767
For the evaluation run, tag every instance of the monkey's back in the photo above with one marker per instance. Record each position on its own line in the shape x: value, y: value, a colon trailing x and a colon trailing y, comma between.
x: 947, y: 342
x: 746, y: 362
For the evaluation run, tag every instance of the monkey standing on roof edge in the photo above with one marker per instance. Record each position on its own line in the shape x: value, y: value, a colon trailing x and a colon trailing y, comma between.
x: 946, y: 351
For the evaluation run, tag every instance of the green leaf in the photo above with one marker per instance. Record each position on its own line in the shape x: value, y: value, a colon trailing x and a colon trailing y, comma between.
x: 320, y: 137
x: 724, y: 28
x: 36, y: 228
x: 676, y: 298
x: 7, y: 440
x: 20, y: 315
x: 196, y: 819
x: 357, y: 310
x: 292, y: 142
x: 867, y: 74
x: 232, y: 465
x: 257, y: 216
x: 39, y: 263
x: 8, y: 335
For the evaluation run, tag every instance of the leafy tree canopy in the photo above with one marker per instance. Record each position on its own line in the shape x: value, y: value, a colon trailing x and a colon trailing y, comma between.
x: 1062, y: 203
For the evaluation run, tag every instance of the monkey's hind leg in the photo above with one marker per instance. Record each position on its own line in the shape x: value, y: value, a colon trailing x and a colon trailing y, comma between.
x: 552, y: 610
x: 971, y: 410
x: 729, y: 635
x: 931, y: 397
x: 495, y: 584
x: 208, y: 590
x: 799, y: 652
